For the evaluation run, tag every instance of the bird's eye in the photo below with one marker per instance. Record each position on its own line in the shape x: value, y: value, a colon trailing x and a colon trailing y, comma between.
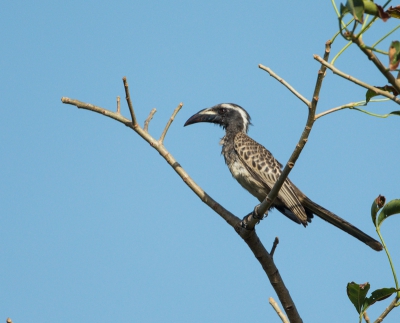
x: 222, y: 111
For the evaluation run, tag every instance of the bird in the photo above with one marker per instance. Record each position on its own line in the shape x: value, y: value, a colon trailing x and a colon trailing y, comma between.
x: 256, y: 170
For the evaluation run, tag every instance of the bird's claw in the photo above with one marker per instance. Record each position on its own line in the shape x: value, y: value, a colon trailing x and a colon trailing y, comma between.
x: 256, y: 215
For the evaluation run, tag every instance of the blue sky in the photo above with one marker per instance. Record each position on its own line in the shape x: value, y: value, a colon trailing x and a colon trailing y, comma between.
x: 95, y: 226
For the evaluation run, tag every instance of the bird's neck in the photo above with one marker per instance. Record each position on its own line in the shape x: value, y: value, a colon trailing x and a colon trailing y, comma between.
x: 228, y: 147
x: 230, y: 134
x: 234, y: 128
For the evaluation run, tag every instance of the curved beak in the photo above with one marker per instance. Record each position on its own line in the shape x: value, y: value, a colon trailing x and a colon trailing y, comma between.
x: 205, y: 115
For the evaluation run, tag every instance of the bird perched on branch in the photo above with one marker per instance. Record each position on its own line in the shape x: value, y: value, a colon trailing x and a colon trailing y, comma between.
x: 254, y: 167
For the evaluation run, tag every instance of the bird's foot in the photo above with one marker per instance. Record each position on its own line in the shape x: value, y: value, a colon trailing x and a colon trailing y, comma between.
x: 252, y: 219
x: 256, y: 216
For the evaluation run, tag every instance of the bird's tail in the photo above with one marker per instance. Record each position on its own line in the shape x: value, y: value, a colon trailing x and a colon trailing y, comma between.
x: 341, y: 224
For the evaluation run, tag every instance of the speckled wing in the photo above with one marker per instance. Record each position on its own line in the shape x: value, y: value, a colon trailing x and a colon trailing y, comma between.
x: 266, y: 169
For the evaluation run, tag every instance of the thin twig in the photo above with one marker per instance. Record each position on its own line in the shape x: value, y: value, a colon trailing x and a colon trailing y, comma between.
x: 356, y: 81
x: 352, y: 105
x: 377, y: 50
x: 345, y: 106
x: 387, y: 310
x: 387, y: 35
x: 291, y: 88
x: 94, y: 108
x: 169, y: 122
x: 146, y: 123
x: 366, y: 317
x: 274, y: 245
x: 278, y: 311
x: 118, y: 104
x: 128, y: 100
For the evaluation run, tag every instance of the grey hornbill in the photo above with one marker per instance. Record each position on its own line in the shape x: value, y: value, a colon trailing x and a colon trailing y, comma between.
x: 257, y: 170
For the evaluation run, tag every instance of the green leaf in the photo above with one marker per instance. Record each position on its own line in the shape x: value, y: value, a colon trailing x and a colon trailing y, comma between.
x: 356, y: 8
x: 393, y: 207
x: 388, y: 88
x: 369, y: 95
x: 378, y: 295
x: 378, y: 203
x: 394, y: 55
x: 357, y: 294
x: 343, y: 10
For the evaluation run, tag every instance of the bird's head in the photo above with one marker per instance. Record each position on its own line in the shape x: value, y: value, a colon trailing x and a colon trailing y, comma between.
x: 230, y: 116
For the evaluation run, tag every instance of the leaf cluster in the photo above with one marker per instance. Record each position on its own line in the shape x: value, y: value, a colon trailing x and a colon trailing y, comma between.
x: 360, y: 12
x: 358, y: 9
x: 357, y: 293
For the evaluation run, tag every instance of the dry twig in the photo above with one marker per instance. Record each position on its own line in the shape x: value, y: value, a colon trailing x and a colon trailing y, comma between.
x: 366, y: 317
x: 291, y: 88
x: 278, y: 311
x: 274, y: 245
x: 146, y: 123
x: 345, y: 106
x: 356, y: 81
x: 128, y: 100
x: 118, y: 104
x: 391, y: 306
x: 169, y: 122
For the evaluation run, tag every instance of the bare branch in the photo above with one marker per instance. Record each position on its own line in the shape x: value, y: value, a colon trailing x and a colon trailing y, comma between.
x: 225, y: 214
x: 274, y: 245
x: 94, y: 108
x: 345, y: 106
x: 146, y: 123
x: 356, y: 81
x: 250, y: 221
x: 278, y: 311
x: 366, y: 317
x: 128, y: 100
x: 118, y: 104
x: 291, y: 89
x: 383, y: 69
x: 169, y: 122
x: 391, y: 306
x: 273, y: 274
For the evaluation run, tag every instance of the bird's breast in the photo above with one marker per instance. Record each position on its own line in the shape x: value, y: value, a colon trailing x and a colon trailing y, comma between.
x: 242, y: 175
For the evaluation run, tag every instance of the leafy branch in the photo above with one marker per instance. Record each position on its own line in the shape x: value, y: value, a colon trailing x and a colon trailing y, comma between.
x: 357, y: 293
